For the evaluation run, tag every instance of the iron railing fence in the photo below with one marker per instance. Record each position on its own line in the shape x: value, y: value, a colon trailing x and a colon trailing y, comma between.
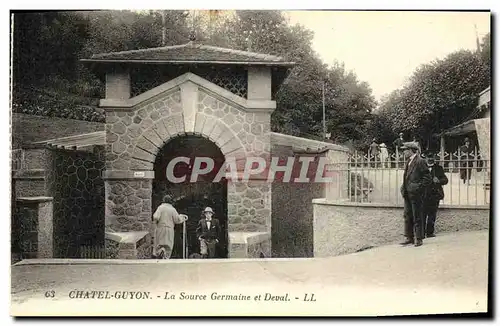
x: 378, y: 179
x: 92, y: 252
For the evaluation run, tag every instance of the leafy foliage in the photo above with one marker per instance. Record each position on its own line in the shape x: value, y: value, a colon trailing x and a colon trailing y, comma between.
x: 348, y: 102
x: 69, y: 36
x: 49, y: 80
x: 439, y: 95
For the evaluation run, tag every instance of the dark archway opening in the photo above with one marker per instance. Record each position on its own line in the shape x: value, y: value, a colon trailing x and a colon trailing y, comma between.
x: 192, y: 197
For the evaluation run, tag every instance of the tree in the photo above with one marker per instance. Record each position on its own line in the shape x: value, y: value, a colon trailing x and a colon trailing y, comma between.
x: 299, y: 100
x: 439, y: 95
x: 348, y: 102
x: 485, y: 51
x: 48, y: 78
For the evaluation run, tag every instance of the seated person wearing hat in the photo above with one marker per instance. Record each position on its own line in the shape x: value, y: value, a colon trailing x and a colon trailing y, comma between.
x: 208, y: 232
x: 416, y: 179
x: 434, y: 193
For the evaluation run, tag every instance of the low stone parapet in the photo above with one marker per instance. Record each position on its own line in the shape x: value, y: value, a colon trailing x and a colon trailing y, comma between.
x: 342, y: 227
x: 33, y: 226
x: 128, y: 245
x: 250, y: 244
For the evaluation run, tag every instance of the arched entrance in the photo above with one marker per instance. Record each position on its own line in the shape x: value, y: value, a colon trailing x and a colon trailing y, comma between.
x: 192, y: 197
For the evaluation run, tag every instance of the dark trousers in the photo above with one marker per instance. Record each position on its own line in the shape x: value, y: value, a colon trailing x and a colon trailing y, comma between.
x: 430, y: 211
x: 208, y: 248
x: 413, y: 214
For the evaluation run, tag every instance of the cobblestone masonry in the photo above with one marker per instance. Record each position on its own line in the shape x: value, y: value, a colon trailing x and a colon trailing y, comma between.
x: 76, y: 185
x: 128, y: 205
x: 249, y: 206
x: 112, y: 248
x: 135, y: 137
x: 251, y: 129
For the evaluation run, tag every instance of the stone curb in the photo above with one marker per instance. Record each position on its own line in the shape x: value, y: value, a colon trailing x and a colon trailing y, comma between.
x: 149, y: 261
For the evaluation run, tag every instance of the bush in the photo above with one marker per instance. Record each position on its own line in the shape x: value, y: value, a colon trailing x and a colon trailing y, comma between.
x: 57, y: 104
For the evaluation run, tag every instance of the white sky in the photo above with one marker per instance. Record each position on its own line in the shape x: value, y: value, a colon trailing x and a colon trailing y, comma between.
x: 383, y: 48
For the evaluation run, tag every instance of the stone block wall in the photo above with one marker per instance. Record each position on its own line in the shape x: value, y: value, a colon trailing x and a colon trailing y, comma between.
x: 128, y: 245
x: 128, y: 205
x: 136, y: 133
x: 30, y: 178
x: 134, y: 136
x: 252, y: 130
x: 249, y: 206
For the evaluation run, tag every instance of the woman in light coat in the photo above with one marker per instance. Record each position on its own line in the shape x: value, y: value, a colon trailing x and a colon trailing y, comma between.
x: 384, y: 155
x: 164, y: 219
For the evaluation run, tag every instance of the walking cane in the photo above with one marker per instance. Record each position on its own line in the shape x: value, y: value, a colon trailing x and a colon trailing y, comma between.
x: 184, y: 240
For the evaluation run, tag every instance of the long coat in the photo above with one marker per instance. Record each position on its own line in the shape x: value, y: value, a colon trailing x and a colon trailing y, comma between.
x: 165, y: 217
x: 435, y: 190
x: 416, y: 178
x: 203, y: 231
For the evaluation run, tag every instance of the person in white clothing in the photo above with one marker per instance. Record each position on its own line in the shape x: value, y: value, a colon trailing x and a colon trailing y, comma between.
x: 164, y: 219
x: 384, y: 155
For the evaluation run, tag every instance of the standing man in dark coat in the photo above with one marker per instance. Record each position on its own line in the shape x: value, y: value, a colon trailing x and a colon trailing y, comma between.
x: 398, y: 144
x: 434, y: 193
x: 416, y: 179
x: 208, y: 233
x: 467, y: 157
x: 373, y: 152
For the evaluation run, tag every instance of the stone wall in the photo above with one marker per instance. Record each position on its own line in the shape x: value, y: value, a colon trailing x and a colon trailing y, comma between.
x: 342, y: 228
x: 76, y: 185
x: 252, y: 130
x: 144, y: 248
x: 26, y: 230
x: 128, y: 205
x: 259, y: 250
x: 249, y: 206
x: 112, y: 248
x: 32, y: 228
x: 250, y: 244
x: 292, y: 212
x: 134, y: 137
x: 136, y: 134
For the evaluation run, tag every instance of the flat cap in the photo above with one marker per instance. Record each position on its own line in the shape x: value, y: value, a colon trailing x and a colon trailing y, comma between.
x: 410, y: 145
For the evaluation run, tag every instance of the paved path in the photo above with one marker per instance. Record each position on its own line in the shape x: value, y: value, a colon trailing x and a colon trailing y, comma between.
x: 448, y: 274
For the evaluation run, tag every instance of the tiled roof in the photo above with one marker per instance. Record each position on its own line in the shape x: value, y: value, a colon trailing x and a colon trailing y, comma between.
x: 77, y: 142
x: 190, y: 53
